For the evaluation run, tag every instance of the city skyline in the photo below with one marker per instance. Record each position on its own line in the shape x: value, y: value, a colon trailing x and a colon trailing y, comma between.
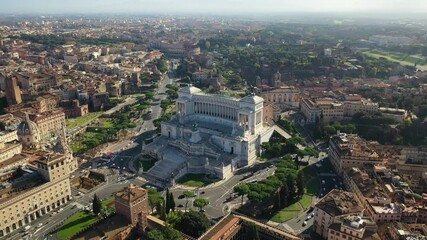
x: 210, y: 120
x: 212, y: 7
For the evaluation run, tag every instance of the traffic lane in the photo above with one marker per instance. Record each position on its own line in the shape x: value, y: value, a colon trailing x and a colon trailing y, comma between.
x: 329, y: 183
x: 222, y: 195
x: 212, y: 210
x: 146, y: 125
x: 55, y: 220
x: 118, y: 146
x: 297, y: 224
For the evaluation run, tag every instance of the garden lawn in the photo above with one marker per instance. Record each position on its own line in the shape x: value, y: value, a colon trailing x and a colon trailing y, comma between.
x: 194, y: 180
x: 75, y: 224
x: 284, y: 216
x: 306, y: 201
x: 293, y: 207
x: 404, y: 59
x: 80, y: 221
x: 79, y: 121
x: 107, y: 123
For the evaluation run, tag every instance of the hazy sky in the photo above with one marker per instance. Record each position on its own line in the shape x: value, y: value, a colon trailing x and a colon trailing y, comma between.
x: 210, y: 6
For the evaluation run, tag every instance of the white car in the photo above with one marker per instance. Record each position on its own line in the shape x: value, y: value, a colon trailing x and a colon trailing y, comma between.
x: 304, y: 223
x: 40, y: 224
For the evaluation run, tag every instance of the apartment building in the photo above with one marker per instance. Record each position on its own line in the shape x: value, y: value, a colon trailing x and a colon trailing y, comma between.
x: 353, y: 107
x: 45, y: 103
x: 402, y: 231
x: 333, y: 205
x: 331, y: 110
x: 414, y: 174
x: 37, y: 82
x: 353, y: 226
x: 29, y: 192
x: 50, y: 123
x: 349, y: 150
x: 8, y: 150
x: 310, y: 111
x: 382, y: 209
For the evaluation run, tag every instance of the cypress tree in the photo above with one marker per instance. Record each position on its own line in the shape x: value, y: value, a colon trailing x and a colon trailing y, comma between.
x: 167, y: 203
x: 171, y: 202
x: 96, y: 204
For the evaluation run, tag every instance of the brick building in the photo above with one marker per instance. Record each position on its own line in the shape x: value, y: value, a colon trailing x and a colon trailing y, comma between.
x: 132, y: 203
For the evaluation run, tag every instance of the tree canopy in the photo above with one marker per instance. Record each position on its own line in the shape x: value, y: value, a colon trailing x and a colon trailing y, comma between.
x: 201, y: 203
x: 193, y: 224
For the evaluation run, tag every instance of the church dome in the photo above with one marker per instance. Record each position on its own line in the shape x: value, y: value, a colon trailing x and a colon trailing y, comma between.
x: 27, y: 127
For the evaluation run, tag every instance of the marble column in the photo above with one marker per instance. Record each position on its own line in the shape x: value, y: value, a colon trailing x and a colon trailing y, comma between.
x: 251, y: 122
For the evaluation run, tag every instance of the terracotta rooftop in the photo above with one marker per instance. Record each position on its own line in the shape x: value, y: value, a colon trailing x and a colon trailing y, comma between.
x: 221, y: 229
x: 131, y: 193
x: 338, y: 202
x: 229, y: 225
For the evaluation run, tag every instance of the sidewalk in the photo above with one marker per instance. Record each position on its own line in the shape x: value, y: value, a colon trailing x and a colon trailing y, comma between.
x: 209, y: 186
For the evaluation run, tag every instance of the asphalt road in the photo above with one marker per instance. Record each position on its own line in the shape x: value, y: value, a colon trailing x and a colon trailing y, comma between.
x: 146, y: 130
x: 220, y: 196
